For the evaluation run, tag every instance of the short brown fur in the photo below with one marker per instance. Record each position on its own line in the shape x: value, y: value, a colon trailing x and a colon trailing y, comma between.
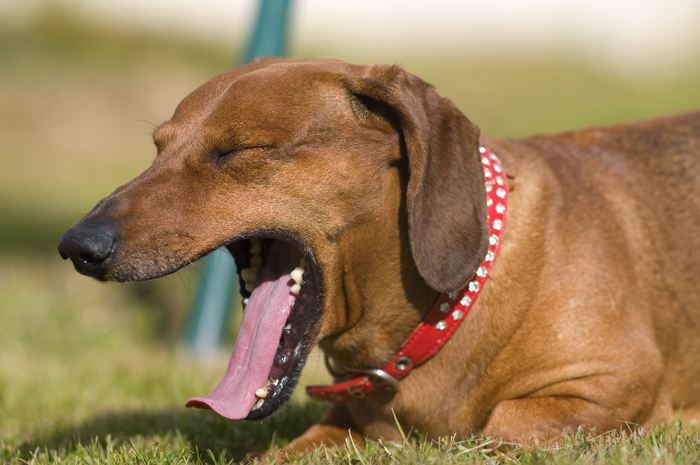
x: 590, y: 317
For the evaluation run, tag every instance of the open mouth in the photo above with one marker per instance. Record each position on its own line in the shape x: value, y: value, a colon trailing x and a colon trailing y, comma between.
x: 280, y: 286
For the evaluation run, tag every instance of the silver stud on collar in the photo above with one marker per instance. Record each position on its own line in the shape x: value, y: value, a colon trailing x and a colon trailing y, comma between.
x: 497, y: 168
x: 402, y: 363
x: 488, y: 174
x: 501, y: 193
x: 489, y: 256
x: 466, y: 301
x: 499, y: 181
x: 444, y: 307
x: 487, y: 162
x: 452, y: 295
x: 497, y: 225
x: 493, y: 240
x: 474, y: 286
x: 482, y: 149
x: 500, y: 208
x: 488, y: 187
x: 441, y: 325
x: 481, y: 272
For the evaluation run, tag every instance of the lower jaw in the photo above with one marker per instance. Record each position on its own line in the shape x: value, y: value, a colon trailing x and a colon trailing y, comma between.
x: 280, y: 391
x: 295, y: 343
x: 286, y: 369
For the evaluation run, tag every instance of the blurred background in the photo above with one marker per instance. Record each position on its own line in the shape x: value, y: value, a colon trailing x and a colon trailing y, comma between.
x: 84, y: 82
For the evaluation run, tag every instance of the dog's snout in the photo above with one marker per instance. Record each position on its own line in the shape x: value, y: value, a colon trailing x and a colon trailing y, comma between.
x: 90, y: 247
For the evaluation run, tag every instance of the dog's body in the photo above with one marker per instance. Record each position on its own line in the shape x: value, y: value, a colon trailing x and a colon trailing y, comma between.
x: 590, y: 315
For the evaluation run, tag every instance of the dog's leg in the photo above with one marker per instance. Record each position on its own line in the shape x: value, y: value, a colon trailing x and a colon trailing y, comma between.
x: 333, y: 430
x: 545, y: 417
x: 523, y: 419
x: 689, y: 416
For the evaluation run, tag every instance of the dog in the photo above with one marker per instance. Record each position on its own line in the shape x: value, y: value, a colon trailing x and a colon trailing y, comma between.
x: 354, y: 200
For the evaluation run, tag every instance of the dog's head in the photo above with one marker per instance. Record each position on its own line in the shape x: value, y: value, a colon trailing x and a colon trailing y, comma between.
x: 359, y: 183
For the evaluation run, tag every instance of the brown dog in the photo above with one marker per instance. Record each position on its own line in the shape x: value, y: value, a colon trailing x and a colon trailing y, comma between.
x: 591, y: 313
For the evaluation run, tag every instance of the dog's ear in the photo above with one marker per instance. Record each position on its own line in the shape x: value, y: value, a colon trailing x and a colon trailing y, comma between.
x: 446, y: 196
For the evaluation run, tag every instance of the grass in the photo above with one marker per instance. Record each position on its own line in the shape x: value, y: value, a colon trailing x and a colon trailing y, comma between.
x: 659, y: 446
x: 81, y: 360
x: 93, y: 373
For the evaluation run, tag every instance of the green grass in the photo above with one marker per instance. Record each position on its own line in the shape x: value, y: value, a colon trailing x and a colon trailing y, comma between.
x: 194, y: 444
x: 93, y: 373
x: 82, y: 360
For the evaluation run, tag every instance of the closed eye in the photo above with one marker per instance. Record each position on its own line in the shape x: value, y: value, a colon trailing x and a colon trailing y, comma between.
x: 220, y: 156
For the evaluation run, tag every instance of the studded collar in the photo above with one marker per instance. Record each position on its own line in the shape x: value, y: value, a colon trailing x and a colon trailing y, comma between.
x: 442, y: 321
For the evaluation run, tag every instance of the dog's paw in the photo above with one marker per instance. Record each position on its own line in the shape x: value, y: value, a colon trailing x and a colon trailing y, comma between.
x: 319, y: 438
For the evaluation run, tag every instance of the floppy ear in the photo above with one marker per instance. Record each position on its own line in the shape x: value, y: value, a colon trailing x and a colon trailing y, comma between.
x: 445, y: 197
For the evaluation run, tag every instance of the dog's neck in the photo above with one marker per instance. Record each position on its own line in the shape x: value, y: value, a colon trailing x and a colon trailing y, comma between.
x: 440, y: 323
x: 380, y: 296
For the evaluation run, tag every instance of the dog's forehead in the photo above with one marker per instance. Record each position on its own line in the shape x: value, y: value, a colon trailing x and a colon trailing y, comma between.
x: 273, y: 87
x: 269, y: 94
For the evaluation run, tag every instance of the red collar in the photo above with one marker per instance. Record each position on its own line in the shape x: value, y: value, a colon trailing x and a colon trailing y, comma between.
x: 438, y: 325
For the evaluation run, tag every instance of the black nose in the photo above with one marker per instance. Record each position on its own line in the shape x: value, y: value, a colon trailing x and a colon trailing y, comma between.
x: 90, y: 247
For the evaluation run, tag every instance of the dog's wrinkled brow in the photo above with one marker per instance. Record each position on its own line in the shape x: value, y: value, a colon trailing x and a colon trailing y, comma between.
x: 161, y: 135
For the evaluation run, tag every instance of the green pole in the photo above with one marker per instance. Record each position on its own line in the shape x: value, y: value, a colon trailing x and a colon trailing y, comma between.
x: 270, y: 34
x: 211, y: 309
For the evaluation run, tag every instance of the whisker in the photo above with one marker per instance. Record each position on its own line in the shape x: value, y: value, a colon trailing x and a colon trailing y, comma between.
x: 346, y: 240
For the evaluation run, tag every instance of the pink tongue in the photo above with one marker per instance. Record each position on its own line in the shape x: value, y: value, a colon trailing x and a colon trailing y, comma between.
x: 264, y: 319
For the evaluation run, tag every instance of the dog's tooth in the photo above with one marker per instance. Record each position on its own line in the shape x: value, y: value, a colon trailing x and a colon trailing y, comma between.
x: 255, y: 246
x: 295, y: 289
x: 249, y: 287
x: 257, y: 405
x: 302, y: 262
x: 261, y: 393
x: 298, y: 275
x: 256, y: 261
x: 288, y: 327
x: 245, y: 301
x: 249, y: 275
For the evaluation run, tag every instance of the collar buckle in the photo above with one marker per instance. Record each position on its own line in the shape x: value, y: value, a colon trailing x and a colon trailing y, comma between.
x: 379, y: 378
